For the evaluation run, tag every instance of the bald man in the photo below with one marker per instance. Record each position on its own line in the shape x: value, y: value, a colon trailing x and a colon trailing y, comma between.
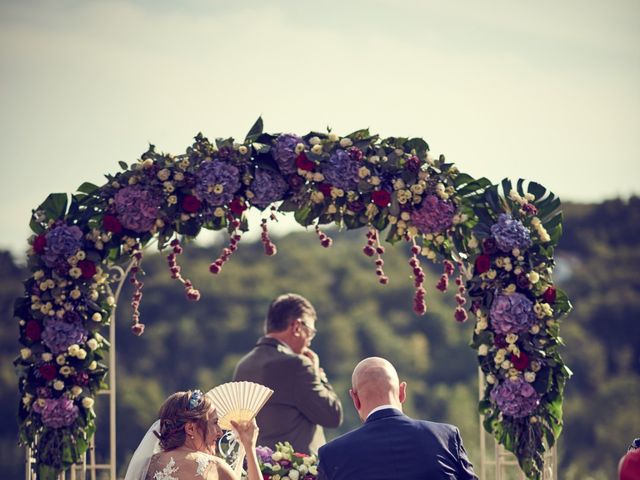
x: 390, y: 445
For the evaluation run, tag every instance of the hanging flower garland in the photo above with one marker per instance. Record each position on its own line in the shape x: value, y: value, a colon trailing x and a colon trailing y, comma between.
x: 390, y: 185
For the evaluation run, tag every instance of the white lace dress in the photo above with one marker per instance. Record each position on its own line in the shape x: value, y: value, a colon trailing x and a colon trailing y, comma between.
x: 182, y: 465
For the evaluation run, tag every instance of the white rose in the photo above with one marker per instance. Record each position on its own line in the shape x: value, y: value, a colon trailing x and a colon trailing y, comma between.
x: 58, y: 385
x: 164, y: 174
x: 483, y: 350
x: 346, y: 142
x: 93, y: 365
x: 96, y: 317
x: 73, y: 349
x: 333, y: 137
x: 276, y: 456
x: 61, y: 360
x: 81, y: 354
x: 491, y: 379
x: 511, y: 338
x: 294, y: 474
x: 92, y: 344
x: 47, y: 357
x: 314, y: 140
x: 76, y: 390
x: 87, y: 402
x: 75, y: 294
x: 533, y: 277
x: 317, y: 149
x: 25, y: 353
x: 529, y: 377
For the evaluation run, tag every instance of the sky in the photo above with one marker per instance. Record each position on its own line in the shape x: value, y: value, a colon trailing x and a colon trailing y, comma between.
x: 548, y: 91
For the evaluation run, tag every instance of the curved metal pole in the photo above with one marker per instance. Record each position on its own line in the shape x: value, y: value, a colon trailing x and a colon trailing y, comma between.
x: 112, y: 367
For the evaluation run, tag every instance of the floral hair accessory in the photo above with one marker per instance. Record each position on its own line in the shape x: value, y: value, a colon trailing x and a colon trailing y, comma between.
x: 195, y: 399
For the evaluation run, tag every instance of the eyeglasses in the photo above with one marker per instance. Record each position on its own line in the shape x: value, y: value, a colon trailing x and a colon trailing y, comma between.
x: 312, y: 331
x: 195, y: 399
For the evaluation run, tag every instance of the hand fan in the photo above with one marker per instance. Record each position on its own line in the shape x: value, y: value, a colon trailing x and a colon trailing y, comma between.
x: 238, y: 401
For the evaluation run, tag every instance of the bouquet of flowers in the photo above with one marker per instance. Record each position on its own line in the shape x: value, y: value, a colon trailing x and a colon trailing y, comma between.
x: 286, y: 464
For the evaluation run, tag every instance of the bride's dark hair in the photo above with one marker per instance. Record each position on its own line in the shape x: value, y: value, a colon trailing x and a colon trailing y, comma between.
x: 176, y: 411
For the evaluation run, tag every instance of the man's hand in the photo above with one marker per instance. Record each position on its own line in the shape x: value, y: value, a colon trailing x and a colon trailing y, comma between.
x: 315, y: 360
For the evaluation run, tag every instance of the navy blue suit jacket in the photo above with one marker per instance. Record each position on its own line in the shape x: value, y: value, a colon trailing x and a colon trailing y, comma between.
x: 391, y: 445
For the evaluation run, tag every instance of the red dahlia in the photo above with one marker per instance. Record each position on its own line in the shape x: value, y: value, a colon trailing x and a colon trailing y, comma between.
x: 381, y: 198
x: 191, y: 204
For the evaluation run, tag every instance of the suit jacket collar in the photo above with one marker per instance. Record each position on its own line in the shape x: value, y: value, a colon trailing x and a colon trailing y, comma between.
x: 275, y: 343
x: 385, y: 413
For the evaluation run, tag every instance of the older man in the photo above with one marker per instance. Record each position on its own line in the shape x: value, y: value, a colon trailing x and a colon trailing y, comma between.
x: 303, y: 401
x: 391, y: 445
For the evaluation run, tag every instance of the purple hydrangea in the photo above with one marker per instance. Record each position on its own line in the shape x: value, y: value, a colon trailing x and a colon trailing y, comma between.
x: 510, y: 233
x: 62, y: 242
x: 285, y: 152
x: 58, y: 335
x: 220, y: 177
x: 341, y: 171
x: 515, y: 398
x: 57, y: 412
x: 137, y: 207
x: 264, y: 454
x: 433, y: 216
x: 267, y: 187
x: 511, y: 313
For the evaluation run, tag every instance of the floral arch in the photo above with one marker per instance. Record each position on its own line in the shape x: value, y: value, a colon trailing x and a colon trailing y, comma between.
x: 499, y: 238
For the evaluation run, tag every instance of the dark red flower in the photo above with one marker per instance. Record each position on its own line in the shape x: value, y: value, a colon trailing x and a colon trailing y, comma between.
x: 191, y: 204
x: 88, y: 268
x: 530, y: 209
x: 237, y: 206
x: 500, y: 341
x: 48, y: 371
x: 381, y: 198
x: 520, y: 363
x: 33, y: 330
x: 303, y: 163
x: 483, y: 264
x: 549, y: 295
x: 39, y: 243
x: 413, y: 163
x: 489, y: 246
x: 325, y: 188
x: 111, y: 224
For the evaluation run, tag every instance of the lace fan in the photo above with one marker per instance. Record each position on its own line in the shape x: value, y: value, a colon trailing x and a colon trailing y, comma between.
x: 238, y: 401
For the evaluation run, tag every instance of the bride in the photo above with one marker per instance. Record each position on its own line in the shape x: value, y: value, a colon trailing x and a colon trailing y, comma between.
x: 181, y: 444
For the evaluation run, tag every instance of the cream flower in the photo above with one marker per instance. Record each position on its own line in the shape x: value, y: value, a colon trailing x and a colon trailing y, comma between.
x: 58, y: 385
x: 333, y: 137
x: 87, y: 402
x: 483, y: 350
x: 346, y: 142
x: 317, y: 149
x: 81, y: 354
x: 93, y: 365
x: 76, y: 390
x: 92, y: 344
x: 25, y: 353
x: 242, y: 150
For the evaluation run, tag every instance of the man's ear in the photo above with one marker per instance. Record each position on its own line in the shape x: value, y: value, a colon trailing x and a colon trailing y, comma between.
x: 402, y: 394
x: 296, y: 327
x: 356, y: 400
